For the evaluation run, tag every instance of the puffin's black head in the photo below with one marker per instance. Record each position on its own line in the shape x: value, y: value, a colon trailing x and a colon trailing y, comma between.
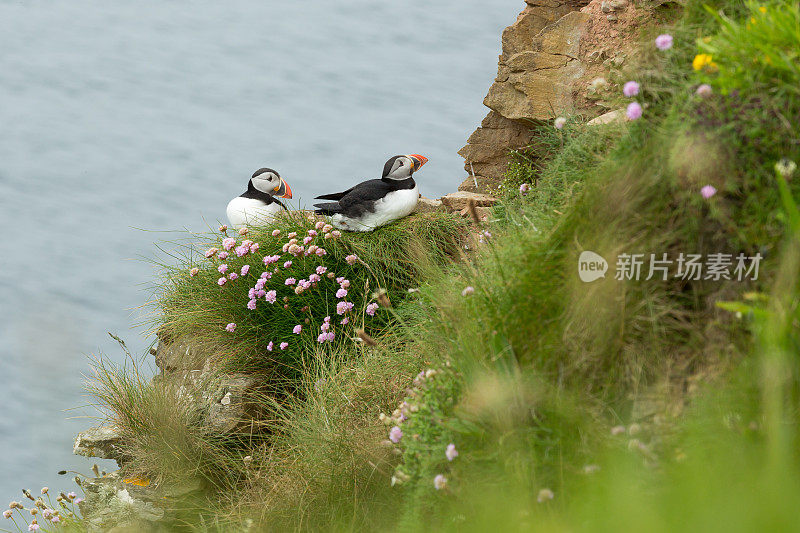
x: 269, y: 181
x: 401, y: 167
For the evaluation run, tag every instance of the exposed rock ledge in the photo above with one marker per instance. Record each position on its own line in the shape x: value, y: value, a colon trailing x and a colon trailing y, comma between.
x: 552, y: 63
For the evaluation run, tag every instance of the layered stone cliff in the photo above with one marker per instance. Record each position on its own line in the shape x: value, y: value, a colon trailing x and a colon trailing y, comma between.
x: 552, y: 63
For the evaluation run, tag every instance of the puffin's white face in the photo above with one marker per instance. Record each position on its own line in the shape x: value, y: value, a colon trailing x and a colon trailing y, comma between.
x: 267, y: 182
x: 401, y: 167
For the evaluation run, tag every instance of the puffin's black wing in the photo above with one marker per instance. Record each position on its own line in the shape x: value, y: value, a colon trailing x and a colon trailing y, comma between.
x: 335, y: 195
x: 356, y: 201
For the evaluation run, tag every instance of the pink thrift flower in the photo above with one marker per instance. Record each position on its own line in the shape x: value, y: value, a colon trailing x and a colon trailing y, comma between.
x: 232, y: 276
x: 292, y: 235
x: 704, y: 90
x: 708, y: 191
x: 222, y: 281
x: 230, y: 328
x: 7, y: 513
x: 344, y: 321
x: 287, y: 264
x: 223, y: 228
x: 211, y: 252
x: 631, y: 88
x: 371, y: 308
x: 308, y: 239
x: 319, y: 225
x: 33, y: 526
x: 276, y: 232
x: 284, y: 345
x: 326, y: 228
x: 351, y: 259
x: 468, y: 291
x: 223, y: 255
x: 245, y: 270
x: 345, y: 283
x: 326, y: 319
x: 314, y: 278
x: 295, y: 250
x: 290, y: 281
x: 266, y: 275
x: 524, y: 188
x: 321, y: 270
x: 664, y: 41
x: 262, y: 293
x: 271, y: 296
x: 254, y: 247
x: 312, y: 233
x: 343, y: 307
x: 243, y: 231
x: 559, y: 122
x: 242, y: 250
x: 195, y: 271
x: 451, y: 452
x: 439, y: 482
x: 330, y: 336
x: 260, y: 284
x: 312, y: 249
x: 297, y: 329
x: 634, y: 111
x: 321, y: 338
x: 306, y: 284
x: 251, y: 293
x: 336, y: 233
x: 251, y: 305
x: 341, y: 293
x: 395, y: 434
x: 271, y: 344
x: 325, y: 327
x: 320, y: 252
x: 222, y: 268
x: 340, y: 279
x: 228, y: 243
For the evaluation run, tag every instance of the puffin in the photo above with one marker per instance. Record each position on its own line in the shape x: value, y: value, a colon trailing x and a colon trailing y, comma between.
x: 258, y: 205
x: 374, y: 203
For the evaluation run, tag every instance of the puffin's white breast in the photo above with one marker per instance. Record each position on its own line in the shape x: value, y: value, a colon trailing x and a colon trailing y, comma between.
x: 391, y: 207
x: 251, y: 212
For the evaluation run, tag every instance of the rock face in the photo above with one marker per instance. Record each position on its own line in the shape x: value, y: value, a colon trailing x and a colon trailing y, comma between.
x: 552, y: 63
x: 101, y: 442
x: 119, y: 505
x: 537, y: 83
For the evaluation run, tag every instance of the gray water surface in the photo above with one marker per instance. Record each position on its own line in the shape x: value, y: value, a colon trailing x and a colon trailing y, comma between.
x: 119, y: 117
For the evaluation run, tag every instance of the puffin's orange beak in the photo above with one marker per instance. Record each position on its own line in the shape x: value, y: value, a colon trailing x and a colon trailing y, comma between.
x: 418, y: 160
x: 283, y: 190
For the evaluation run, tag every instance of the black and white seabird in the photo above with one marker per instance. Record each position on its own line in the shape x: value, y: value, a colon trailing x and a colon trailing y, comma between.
x: 373, y: 203
x: 257, y: 206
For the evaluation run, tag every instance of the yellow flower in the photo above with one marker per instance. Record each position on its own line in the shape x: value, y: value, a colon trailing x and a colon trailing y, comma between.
x: 762, y: 9
x: 701, y: 61
x: 752, y: 20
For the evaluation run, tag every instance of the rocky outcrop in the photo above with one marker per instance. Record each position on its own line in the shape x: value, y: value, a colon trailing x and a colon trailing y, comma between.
x: 553, y: 62
x: 102, y: 442
x: 537, y: 83
x: 114, y: 504
x: 535, y: 74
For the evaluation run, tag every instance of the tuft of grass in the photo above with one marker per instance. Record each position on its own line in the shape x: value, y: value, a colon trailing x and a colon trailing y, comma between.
x: 393, y: 258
